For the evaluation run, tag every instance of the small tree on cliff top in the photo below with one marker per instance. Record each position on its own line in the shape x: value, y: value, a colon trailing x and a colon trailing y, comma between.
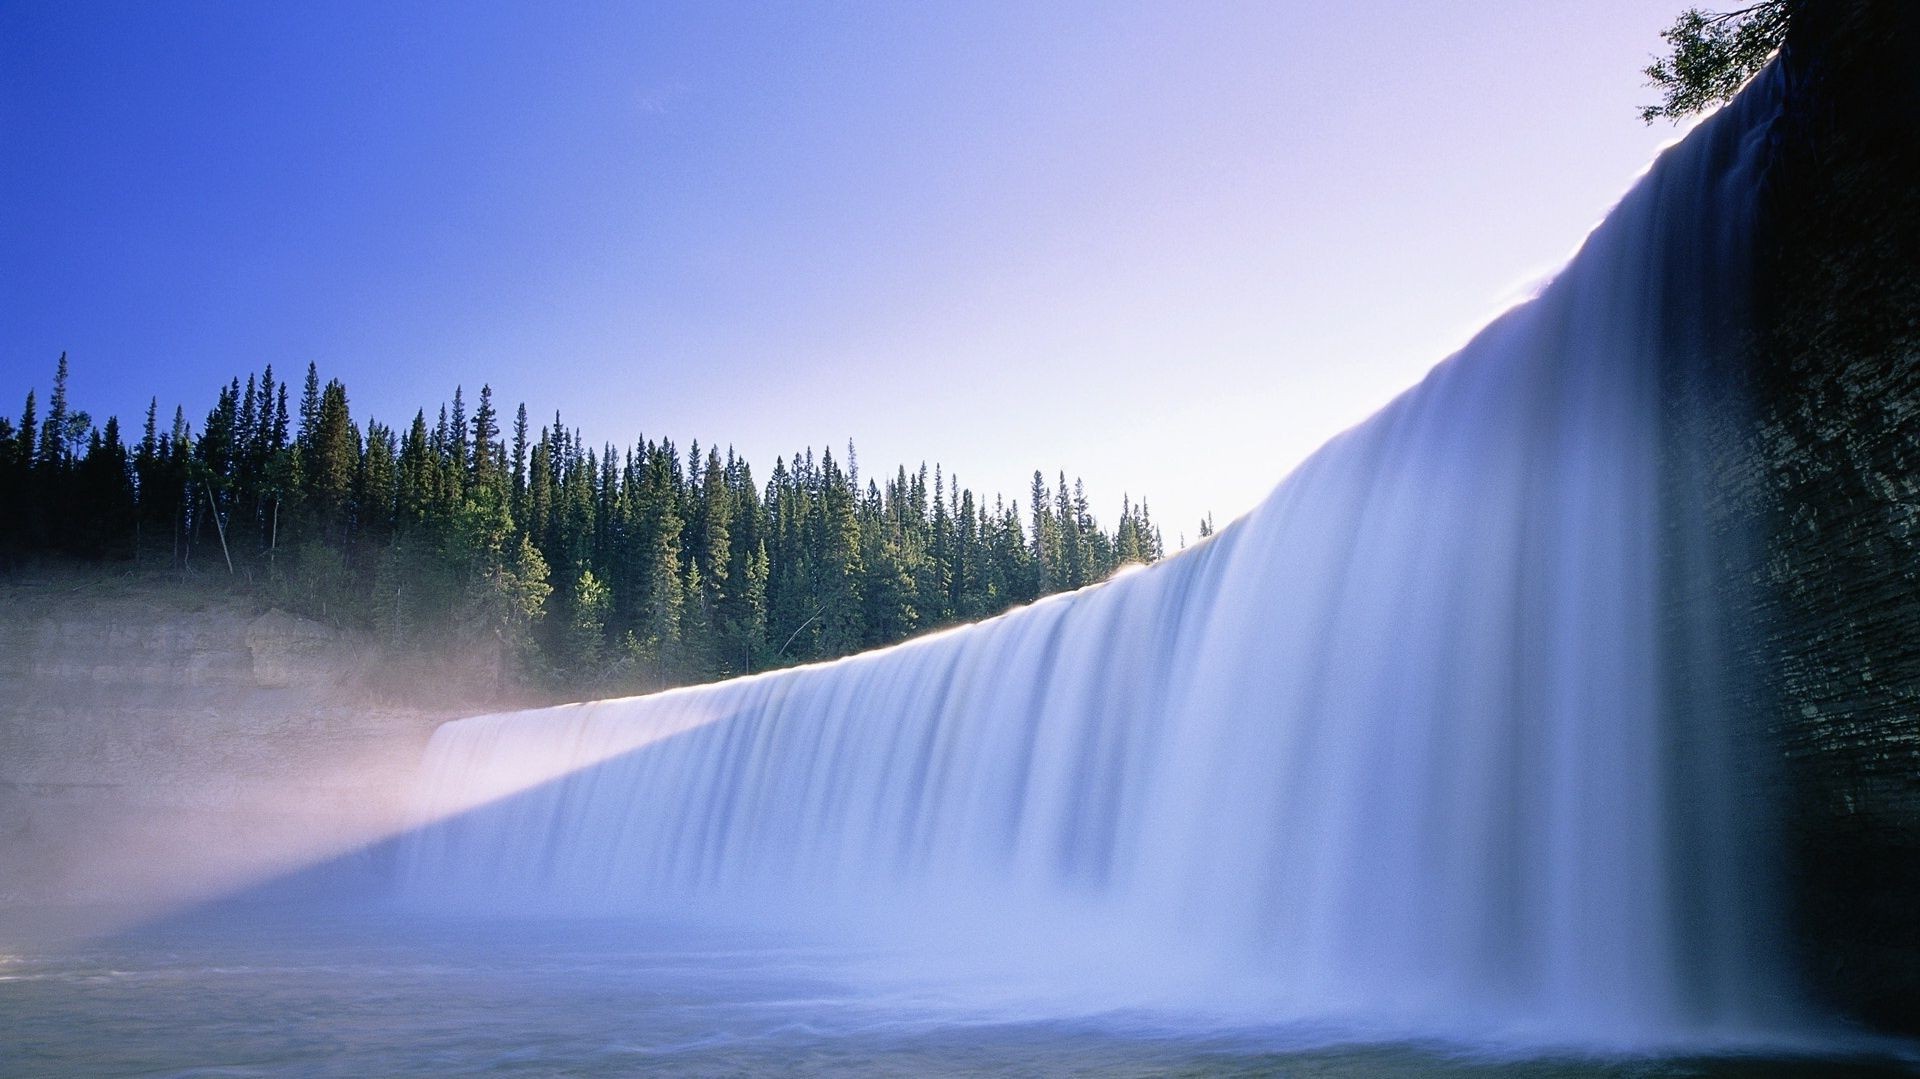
x: 1712, y: 54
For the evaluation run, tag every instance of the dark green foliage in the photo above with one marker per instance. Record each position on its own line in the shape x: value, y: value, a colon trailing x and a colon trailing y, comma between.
x: 1712, y: 54
x: 609, y: 569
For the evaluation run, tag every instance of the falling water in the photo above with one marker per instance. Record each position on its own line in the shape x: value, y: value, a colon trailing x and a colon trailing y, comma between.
x: 1405, y: 748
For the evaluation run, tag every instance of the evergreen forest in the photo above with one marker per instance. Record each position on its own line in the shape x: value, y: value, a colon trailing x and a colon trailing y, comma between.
x: 625, y: 568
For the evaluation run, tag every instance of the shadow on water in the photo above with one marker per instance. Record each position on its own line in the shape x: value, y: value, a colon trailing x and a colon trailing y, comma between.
x: 321, y: 971
x: 369, y: 878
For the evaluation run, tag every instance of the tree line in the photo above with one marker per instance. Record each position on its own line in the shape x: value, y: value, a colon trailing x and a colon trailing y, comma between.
x: 637, y: 566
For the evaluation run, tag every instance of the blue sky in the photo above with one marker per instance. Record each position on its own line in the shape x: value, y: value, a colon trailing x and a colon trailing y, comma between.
x: 1169, y: 247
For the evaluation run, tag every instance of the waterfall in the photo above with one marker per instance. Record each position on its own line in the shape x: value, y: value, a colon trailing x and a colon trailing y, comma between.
x: 1405, y: 747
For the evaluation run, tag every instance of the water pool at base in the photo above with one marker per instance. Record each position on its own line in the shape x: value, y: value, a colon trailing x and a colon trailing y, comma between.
x: 379, y: 997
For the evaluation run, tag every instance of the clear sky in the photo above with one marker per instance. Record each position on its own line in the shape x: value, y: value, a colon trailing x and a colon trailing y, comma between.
x: 1169, y: 247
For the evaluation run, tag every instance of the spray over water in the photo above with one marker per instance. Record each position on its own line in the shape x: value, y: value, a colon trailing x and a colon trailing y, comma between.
x: 1402, y: 750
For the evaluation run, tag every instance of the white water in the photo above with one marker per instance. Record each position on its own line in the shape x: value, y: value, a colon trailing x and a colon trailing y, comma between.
x: 1402, y: 750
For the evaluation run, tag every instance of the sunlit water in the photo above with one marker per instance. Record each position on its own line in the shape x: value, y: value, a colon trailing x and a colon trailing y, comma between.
x: 374, y: 997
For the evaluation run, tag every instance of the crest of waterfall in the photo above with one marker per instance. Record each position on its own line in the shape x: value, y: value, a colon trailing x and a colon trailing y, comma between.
x: 1404, y: 747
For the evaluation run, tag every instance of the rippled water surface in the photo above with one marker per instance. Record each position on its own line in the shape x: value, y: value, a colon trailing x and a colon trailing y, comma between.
x: 242, y: 998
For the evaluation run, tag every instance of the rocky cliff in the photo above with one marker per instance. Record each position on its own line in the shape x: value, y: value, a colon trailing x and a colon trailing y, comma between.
x: 1828, y: 468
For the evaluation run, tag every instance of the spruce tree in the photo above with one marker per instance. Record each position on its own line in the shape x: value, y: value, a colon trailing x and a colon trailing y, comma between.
x: 842, y: 629
x: 518, y: 497
x: 310, y: 409
x: 53, y: 431
x: 335, y: 461
x: 587, y: 608
x: 24, y: 437
x: 486, y: 432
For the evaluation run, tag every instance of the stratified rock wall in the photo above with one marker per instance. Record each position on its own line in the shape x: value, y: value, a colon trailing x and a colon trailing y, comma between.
x: 1834, y: 477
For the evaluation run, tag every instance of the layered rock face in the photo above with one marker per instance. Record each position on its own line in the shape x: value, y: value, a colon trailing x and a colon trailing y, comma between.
x: 159, y: 743
x: 1829, y: 465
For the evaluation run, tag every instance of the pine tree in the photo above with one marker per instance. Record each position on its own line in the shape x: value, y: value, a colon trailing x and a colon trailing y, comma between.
x: 975, y: 596
x: 842, y: 629
x: 150, y: 434
x: 263, y: 434
x: 376, y: 484
x: 457, y: 436
x: 280, y: 431
x: 1126, y: 544
x: 24, y: 437
x: 310, y: 409
x: 335, y: 461
x: 714, y: 558
x: 744, y: 605
x: 518, y: 496
x: 244, y: 429
x: 105, y: 504
x: 539, y: 512
x: 587, y: 608
x: 53, y: 431
x: 486, y: 432
x: 666, y: 595
x: 413, y: 483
